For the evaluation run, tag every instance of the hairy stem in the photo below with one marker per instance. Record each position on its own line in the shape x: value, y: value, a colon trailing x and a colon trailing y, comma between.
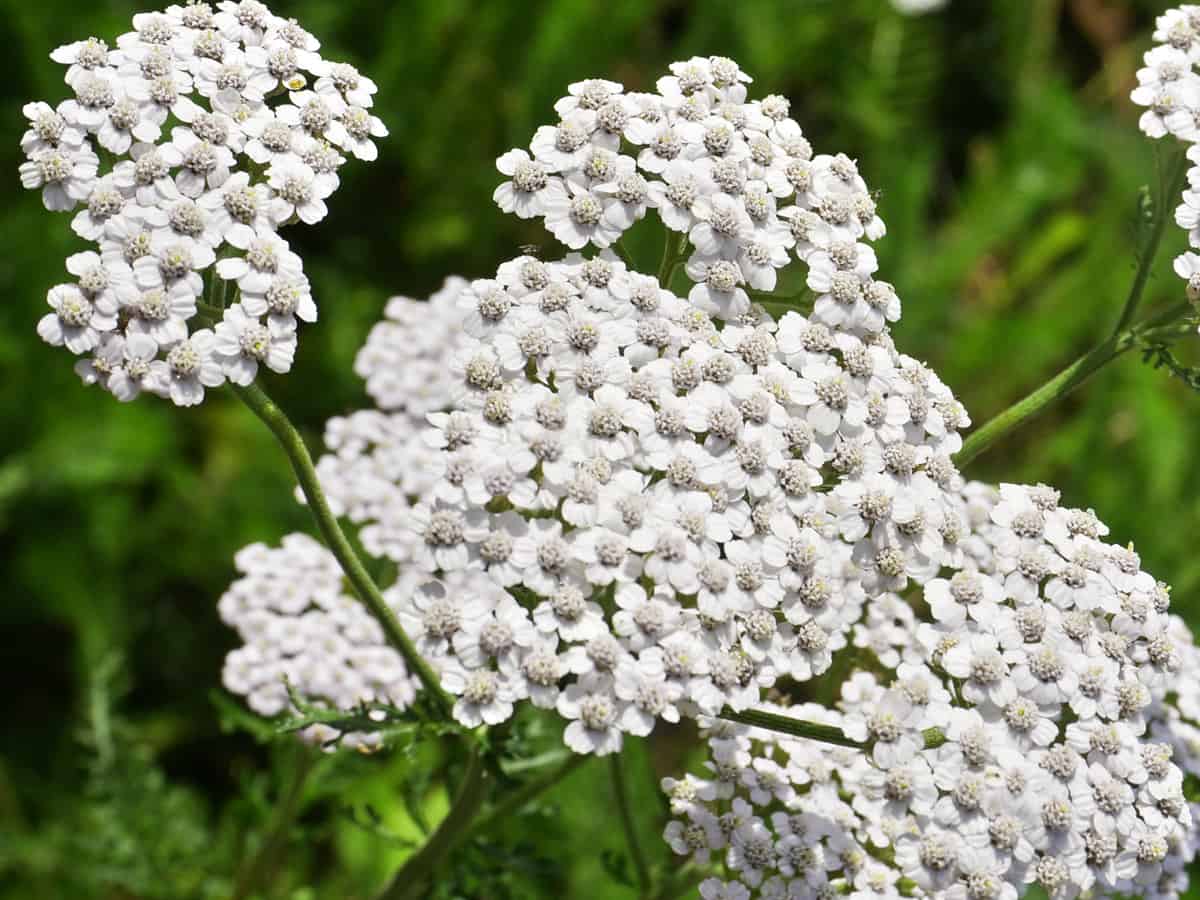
x: 413, y: 879
x: 366, y: 589
x: 621, y: 791
x: 515, y: 800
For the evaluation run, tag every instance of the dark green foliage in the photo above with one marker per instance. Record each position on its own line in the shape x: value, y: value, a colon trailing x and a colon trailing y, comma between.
x: 1008, y: 162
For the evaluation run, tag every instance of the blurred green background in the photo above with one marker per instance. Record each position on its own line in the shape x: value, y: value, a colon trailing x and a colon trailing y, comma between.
x: 1008, y: 162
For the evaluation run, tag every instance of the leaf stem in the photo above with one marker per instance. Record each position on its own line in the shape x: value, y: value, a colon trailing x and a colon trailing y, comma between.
x: 621, y: 791
x: 412, y: 881
x: 293, y: 445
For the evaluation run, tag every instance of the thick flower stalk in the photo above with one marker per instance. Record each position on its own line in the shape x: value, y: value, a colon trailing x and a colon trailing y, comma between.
x: 185, y: 149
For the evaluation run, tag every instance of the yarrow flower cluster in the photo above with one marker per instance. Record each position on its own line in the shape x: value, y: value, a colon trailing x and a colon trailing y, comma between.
x: 1049, y: 669
x: 185, y: 148
x: 671, y: 515
x: 303, y: 631
x: 736, y: 178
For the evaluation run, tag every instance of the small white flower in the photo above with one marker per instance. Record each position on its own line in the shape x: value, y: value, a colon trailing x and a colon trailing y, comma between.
x: 243, y: 342
x: 65, y: 175
x: 190, y: 366
x: 76, y: 321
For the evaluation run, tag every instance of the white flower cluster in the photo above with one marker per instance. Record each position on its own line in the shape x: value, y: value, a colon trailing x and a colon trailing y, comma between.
x: 188, y: 146
x: 1055, y: 673
x: 1169, y: 88
x: 301, y: 628
x: 737, y: 177
x: 670, y: 515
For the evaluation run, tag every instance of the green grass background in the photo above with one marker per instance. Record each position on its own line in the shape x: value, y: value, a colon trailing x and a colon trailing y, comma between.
x: 1008, y: 161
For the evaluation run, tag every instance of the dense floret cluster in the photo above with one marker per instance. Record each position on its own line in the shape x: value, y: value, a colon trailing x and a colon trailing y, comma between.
x: 1049, y: 667
x: 184, y: 150
x: 672, y: 515
x: 736, y: 180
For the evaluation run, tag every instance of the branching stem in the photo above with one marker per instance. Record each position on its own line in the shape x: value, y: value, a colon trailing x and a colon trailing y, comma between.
x: 1122, y: 339
x: 368, y: 592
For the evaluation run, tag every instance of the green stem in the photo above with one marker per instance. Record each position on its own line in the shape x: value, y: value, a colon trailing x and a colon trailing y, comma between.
x: 674, y: 252
x: 215, y: 313
x: 265, y: 860
x: 412, y: 881
x: 623, y: 252
x: 1174, y: 184
x: 759, y: 718
x: 511, y: 804
x: 1121, y: 339
x: 1059, y: 386
x: 627, y: 823
x: 814, y: 731
x: 293, y: 445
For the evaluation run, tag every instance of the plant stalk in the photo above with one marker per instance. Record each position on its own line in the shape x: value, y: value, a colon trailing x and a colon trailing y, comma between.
x: 368, y: 592
x: 1122, y: 338
x: 760, y: 718
x: 814, y: 731
x: 1059, y: 386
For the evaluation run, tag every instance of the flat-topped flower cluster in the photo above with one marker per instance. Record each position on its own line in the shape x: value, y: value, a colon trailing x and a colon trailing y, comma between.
x: 1050, y: 665
x: 671, y: 515
x: 185, y: 148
